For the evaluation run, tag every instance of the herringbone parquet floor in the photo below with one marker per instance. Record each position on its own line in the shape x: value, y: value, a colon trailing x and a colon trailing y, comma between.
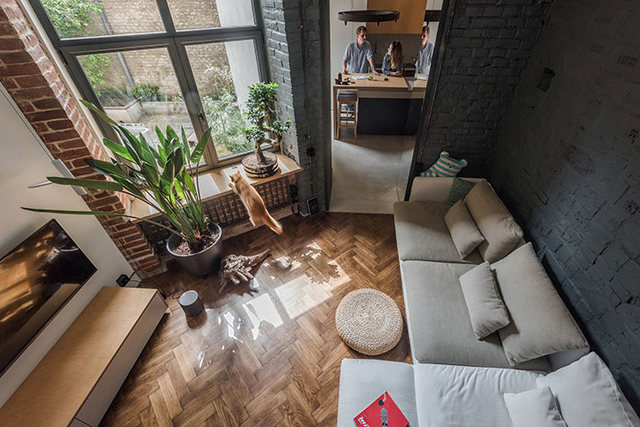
x: 270, y: 358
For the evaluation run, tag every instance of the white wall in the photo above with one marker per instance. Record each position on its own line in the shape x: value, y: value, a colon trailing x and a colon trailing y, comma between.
x: 242, y: 54
x: 342, y: 34
x: 24, y: 161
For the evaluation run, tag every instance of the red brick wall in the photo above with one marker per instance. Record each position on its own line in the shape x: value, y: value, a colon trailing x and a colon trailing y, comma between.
x: 31, y: 78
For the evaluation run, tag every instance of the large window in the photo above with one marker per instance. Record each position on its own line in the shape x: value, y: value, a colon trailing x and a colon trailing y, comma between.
x: 184, y: 63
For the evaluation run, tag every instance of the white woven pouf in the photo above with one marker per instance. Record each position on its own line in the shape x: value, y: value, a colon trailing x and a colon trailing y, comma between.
x: 369, y: 321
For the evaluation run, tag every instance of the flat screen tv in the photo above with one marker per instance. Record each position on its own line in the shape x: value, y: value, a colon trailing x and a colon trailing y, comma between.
x: 37, y: 278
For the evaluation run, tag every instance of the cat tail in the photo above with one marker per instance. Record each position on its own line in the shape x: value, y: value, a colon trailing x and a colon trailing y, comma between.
x: 273, y: 224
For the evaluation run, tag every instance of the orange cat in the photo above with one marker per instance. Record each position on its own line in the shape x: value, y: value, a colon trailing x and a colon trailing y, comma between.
x: 254, y: 204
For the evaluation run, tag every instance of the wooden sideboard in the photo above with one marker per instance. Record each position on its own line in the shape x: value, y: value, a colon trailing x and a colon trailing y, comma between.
x: 78, y: 378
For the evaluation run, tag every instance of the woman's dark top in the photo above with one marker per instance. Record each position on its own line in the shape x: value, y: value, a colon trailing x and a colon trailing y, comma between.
x: 387, y: 69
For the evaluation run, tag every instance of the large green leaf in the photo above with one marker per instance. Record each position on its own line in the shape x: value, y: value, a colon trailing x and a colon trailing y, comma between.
x: 150, y: 172
x: 106, y: 168
x: 101, y: 213
x: 99, y: 113
x: 170, y: 168
x: 198, y: 151
x: 93, y: 184
x: 190, y: 184
x: 147, y: 153
x: 185, y: 145
x: 118, y: 149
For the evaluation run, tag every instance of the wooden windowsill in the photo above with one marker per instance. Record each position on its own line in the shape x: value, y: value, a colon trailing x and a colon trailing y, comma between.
x: 215, y: 183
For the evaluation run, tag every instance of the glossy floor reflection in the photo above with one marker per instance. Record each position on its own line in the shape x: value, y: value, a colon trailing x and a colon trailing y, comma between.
x: 270, y: 357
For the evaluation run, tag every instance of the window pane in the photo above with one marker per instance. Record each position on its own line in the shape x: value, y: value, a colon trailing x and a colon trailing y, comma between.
x: 194, y: 14
x: 223, y: 72
x: 84, y: 18
x: 139, y: 88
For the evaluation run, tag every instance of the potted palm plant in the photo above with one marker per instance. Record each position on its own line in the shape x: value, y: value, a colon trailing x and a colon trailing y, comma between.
x: 158, y: 176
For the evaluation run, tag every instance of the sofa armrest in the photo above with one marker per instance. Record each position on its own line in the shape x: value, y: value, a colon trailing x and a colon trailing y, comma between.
x: 433, y: 189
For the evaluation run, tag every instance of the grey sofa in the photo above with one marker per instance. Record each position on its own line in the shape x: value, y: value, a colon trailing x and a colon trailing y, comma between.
x: 437, y: 317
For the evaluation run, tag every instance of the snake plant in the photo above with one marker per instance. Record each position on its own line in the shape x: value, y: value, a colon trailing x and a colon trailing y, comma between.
x: 158, y: 177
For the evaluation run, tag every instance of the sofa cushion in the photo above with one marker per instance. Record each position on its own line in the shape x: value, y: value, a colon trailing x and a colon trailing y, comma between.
x: 535, y: 407
x: 540, y: 322
x: 500, y: 230
x: 464, y: 232
x: 588, y: 395
x: 467, y: 396
x: 484, y: 304
x: 438, y: 320
x: 422, y: 234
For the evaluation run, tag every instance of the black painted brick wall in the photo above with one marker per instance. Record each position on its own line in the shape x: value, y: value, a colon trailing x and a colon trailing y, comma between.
x: 489, y: 45
x: 568, y: 165
x: 284, y: 52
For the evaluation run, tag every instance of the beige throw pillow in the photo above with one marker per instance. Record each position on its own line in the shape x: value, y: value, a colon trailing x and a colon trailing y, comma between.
x: 466, y: 236
x: 540, y: 322
x: 485, y: 306
x: 500, y: 230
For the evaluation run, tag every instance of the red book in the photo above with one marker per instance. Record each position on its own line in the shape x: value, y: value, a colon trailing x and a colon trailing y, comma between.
x: 383, y: 412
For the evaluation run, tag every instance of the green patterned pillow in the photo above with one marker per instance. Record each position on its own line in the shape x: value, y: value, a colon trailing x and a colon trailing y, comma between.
x: 459, y: 190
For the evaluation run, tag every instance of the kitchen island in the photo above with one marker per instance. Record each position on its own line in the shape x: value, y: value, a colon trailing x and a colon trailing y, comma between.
x: 387, y: 105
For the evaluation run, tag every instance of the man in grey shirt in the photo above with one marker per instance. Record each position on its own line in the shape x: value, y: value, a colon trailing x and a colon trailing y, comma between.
x: 425, y: 52
x: 358, y: 55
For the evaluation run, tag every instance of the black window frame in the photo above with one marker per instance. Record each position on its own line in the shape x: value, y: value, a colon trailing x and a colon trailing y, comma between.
x: 175, y: 41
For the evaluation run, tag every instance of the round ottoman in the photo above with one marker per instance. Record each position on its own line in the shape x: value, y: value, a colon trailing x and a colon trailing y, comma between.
x: 369, y: 321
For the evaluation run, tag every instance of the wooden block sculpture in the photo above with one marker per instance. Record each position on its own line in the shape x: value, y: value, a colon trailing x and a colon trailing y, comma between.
x: 237, y: 268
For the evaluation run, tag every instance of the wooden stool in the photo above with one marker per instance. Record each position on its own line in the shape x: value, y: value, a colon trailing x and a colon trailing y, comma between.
x: 347, y: 118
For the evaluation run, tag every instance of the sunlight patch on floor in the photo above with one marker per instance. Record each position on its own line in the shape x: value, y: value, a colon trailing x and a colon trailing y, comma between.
x: 262, y: 309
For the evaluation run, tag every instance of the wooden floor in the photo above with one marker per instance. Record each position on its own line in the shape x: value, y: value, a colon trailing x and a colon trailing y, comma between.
x: 268, y: 358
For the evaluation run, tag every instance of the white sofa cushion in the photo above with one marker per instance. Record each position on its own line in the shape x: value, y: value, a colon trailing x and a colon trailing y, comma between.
x: 464, y: 232
x: 486, y: 308
x: 363, y: 381
x: 534, y: 408
x: 540, y: 322
x: 460, y: 396
x: 438, y: 321
x: 421, y: 233
x: 588, y: 395
x: 500, y: 230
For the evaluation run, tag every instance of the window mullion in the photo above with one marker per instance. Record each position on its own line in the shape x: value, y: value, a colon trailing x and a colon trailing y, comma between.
x: 191, y: 96
x: 165, y: 15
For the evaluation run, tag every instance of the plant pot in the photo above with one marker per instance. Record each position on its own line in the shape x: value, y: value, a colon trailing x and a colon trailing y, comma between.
x: 201, y: 263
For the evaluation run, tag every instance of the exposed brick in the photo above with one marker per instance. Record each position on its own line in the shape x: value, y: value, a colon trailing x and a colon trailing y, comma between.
x: 561, y: 173
x: 30, y: 77
x: 34, y: 81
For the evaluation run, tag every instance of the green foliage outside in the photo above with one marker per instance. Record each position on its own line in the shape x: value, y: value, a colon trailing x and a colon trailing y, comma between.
x: 114, y: 97
x: 223, y: 113
x: 146, y: 92
x: 71, y: 18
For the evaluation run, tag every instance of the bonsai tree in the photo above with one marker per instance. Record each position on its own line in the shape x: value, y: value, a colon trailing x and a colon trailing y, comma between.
x: 260, y: 112
x: 157, y: 176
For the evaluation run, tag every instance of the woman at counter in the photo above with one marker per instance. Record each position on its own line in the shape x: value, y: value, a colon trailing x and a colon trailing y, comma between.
x: 392, y: 63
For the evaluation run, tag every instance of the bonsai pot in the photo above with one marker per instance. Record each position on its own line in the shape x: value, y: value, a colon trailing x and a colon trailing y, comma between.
x: 201, y: 263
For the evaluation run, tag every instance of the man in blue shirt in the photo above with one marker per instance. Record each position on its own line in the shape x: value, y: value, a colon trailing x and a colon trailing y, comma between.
x: 358, y: 56
x: 425, y: 52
